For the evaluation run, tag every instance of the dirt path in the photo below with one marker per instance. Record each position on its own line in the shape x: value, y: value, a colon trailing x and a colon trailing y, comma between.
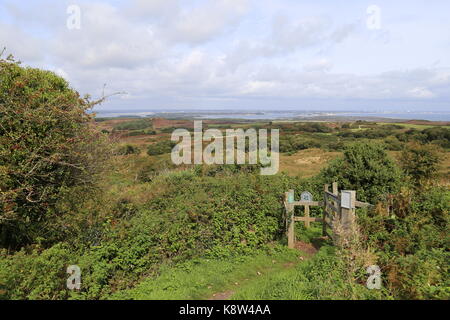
x: 222, y: 295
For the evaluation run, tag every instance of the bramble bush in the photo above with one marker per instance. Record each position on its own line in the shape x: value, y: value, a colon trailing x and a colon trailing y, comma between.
x: 47, y: 147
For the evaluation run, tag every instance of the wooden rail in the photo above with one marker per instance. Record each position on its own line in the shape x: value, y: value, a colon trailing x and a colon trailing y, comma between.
x: 337, y: 206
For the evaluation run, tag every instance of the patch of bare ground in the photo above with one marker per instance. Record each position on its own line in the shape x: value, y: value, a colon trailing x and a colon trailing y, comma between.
x: 222, y: 295
x: 306, y: 247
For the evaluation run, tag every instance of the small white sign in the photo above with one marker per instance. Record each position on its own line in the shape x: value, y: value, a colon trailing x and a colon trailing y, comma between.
x: 346, y: 200
x: 306, y: 196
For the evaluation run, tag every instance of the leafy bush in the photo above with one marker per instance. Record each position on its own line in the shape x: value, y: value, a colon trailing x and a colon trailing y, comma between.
x: 39, y: 274
x: 161, y: 147
x: 314, y: 127
x: 127, y: 150
x: 212, y: 216
x: 46, y: 147
x: 420, y: 162
x: 373, y: 133
x: 412, y: 248
x: 134, y: 125
x: 365, y: 168
x: 435, y: 135
x: 393, y: 144
x: 140, y: 133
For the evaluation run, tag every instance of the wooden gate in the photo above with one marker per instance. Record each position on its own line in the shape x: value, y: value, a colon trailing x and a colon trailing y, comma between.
x: 338, y: 208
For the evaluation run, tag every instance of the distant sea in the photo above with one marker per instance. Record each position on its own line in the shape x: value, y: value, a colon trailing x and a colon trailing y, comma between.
x: 276, y: 115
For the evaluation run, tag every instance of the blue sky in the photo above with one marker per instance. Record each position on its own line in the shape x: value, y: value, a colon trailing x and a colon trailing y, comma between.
x: 242, y: 54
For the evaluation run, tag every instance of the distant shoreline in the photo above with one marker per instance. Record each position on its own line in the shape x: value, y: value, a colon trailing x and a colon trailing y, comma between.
x: 279, y: 116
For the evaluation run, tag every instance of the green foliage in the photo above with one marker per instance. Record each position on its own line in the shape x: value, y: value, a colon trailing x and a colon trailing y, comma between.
x: 420, y: 162
x: 140, y: 133
x: 46, y: 148
x: 436, y: 135
x: 412, y: 249
x: 292, y: 144
x: 373, y: 133
x: 365, y: 168
x: 201, y: 278
x: 393, y: 144
x: 323, y: 277
x: 314, y: 127
x: 38, y: 274
x: 175, y: 226
x: 134, y: 125
x: 161, y: 147
x: 128, y: 149
x: 209, y: 216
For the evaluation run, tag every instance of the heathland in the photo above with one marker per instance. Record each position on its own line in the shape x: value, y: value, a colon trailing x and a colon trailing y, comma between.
x: 103, y: 194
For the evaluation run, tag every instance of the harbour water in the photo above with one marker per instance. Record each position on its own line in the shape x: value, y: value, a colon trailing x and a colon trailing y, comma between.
x: 275, y: 115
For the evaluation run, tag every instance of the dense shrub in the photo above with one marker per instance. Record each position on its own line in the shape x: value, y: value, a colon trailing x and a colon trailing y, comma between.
x: 373, y: 133
x: 412, y: 248
x: 420, y: 162
x: 127, y: 150
x: 313, y: 127
x: 292, y: 144
x: 134, y: 125
x: 393, y: 144
x: 140, y: 133
x: 365, y: 168
x: 161, y: 147
x: 435, y: 135
x: 46, y: 147
x: 192, y: 215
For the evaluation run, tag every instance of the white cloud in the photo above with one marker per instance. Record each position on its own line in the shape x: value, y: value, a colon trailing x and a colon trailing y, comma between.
x: 421, y: 93
x: 172, y: 52
x: 21, y: 44
x: 319, y: 65
x: 107, y: 39
x: 203, y: 23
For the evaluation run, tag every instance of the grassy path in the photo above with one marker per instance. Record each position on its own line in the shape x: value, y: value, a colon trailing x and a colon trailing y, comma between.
x: 213, y: 279
x: 242, y: 277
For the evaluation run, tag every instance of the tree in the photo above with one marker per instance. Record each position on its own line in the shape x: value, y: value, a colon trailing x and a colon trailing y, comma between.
x: 47, y: 146
x: 366, y: 168
x: 420, y: 162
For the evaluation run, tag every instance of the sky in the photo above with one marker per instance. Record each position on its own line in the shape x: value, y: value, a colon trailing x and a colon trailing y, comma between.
x: 240, y: 54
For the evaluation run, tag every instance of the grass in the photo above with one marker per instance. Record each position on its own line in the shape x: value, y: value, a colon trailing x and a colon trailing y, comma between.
x: 320, y: 278
x: 306, y: 163
x: 202, y: 278
x: 411, y: 125
x: 275, y: 275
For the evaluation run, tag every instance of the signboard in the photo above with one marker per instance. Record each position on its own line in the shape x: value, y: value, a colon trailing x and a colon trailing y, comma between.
x: 290, y: 197
x: 347, y: 200
x: 306, y: 196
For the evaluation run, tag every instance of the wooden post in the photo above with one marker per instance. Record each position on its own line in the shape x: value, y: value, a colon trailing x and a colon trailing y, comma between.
x: 307, y: 222
x: 348, y: 208
x: 290, y: 217
x: 335, y: 188
x: 324, y: 224
x: 335, y: 203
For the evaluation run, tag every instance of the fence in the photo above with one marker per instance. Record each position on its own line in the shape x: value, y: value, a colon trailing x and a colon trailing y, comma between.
x: 338, y: 208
